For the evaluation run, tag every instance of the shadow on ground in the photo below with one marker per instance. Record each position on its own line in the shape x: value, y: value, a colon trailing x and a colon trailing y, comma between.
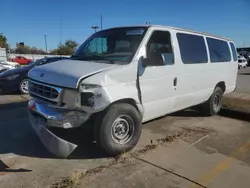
x: 13, y: 105
x: 244, y: 73
x: 26, y: 143
x: 17, y: 136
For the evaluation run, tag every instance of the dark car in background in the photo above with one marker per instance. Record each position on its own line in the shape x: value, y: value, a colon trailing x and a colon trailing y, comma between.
x: 17, y: 79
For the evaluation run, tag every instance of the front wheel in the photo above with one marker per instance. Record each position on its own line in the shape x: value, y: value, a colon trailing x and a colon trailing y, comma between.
x: 214, y: 103
x: 119, y: 129
x: 24, y: 86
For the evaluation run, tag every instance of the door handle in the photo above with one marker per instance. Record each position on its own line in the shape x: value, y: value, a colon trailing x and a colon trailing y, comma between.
x: 175, y: 81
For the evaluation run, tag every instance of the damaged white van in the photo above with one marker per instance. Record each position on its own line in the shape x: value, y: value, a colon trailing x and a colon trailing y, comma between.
x: 121, y: 77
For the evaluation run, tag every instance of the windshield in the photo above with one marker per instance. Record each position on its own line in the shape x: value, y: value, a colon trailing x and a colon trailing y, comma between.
x: 111, y: 46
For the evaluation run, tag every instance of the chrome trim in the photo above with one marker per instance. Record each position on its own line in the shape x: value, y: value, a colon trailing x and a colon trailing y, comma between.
x: 56, y: 117
x: 59, y: 90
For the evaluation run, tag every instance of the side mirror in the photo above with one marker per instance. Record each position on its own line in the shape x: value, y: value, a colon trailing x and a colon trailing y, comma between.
x: 144, y: 62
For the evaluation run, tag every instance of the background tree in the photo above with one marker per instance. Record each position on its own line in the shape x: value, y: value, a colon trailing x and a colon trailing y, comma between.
x: 3, y: 41
x: 24, y: 49
x: 68, y: 48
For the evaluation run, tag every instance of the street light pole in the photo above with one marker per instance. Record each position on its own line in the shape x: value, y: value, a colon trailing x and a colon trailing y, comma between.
x: 101, y: 22
x: 95, y: 28
x: 45, y: 40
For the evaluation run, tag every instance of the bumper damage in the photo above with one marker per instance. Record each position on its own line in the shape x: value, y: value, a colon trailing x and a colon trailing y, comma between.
x: 40, y: 117
x: 53, y: 143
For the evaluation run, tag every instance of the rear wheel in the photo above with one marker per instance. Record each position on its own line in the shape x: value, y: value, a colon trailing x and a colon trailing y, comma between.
x: 119, y: 129
x: 24, y: 86
x: 214, y: 103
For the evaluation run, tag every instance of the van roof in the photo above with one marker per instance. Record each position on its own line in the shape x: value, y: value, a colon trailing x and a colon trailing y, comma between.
x: 178, y: 29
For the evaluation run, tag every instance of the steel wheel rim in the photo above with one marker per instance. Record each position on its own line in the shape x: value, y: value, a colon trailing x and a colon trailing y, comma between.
x: 25, y: 87
x: 217, y: 102
x: 122, y: 129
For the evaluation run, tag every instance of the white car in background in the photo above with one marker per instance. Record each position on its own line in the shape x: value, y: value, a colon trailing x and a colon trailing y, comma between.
x: 242, y: 62
x: 6, y: 65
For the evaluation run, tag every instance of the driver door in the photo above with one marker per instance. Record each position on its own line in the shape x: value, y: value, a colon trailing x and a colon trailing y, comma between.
x: 158, y: 76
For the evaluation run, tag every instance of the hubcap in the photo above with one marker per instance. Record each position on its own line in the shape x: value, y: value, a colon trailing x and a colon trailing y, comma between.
x: 25, y: 87
x: 217, y: 102
x: 122, y: 129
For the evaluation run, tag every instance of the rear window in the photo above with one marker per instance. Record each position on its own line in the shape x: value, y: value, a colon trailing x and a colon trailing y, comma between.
x: 233, y: 51
x: 192, y: 48
x: 219, y: 50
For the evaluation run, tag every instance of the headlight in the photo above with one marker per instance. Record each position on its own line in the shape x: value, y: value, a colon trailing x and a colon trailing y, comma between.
x: 12, y: 77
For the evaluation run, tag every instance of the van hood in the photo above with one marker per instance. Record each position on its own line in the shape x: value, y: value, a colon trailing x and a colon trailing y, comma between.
x: 67, y: 73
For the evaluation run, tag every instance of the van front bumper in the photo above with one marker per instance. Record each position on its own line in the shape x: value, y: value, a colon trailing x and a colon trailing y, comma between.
x: 53, y: 117
x: 53, y: 143
x: 41, y: 116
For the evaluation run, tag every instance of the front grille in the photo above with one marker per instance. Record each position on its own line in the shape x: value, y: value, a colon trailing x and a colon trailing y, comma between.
x: 43, y: 100
x: 43, y: 90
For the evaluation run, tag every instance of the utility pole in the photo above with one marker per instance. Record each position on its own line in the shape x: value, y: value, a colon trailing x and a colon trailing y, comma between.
x: 45, y: 40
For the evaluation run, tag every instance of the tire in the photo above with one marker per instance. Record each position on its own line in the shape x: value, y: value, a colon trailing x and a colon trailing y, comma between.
x: 23, y: 86
x: 118, y: 129
x: 213, y: 105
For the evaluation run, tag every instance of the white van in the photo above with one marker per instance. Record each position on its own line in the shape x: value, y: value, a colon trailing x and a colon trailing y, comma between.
x: 122, y: 77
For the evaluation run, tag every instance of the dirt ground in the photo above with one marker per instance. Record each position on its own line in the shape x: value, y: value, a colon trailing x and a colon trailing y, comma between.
x: 184, y: 149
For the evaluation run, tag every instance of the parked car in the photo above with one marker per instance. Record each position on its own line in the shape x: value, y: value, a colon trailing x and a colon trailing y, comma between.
x: 247, y: 56
x: 6, y: 65
x: 21, y: 60
x: 139, y: 74
x: 17, y: 79
x: 242, y: 62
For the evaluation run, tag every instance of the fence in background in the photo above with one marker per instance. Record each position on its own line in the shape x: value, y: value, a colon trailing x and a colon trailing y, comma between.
x: 34, y: 56
x: 3, y: 56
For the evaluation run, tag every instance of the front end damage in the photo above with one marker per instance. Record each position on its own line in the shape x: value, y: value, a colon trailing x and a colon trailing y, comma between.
x: 69, y: 109
x: 69, y: 97
x: 53, y: 143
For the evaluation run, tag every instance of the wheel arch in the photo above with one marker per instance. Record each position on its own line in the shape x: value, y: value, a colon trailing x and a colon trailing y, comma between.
x: 221, y: 85
x: 132, y: 102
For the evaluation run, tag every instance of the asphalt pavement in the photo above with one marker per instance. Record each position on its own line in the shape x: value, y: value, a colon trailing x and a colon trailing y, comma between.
x: 243, y: 81
x: 26, y: 163
x: 185, y: 149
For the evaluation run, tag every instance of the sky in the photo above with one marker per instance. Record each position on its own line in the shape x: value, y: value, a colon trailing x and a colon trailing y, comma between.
x: 29, y: 20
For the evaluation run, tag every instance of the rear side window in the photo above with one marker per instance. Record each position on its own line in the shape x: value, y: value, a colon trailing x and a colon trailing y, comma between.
x: 192, y: 48
x: 233, y: 51
x: 219, y: 50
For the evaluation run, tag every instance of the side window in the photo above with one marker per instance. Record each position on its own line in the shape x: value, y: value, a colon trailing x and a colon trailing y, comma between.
x: 233, y: 51
x: 192, y: 48
x: 219, y: 50
x: 159, y: 49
